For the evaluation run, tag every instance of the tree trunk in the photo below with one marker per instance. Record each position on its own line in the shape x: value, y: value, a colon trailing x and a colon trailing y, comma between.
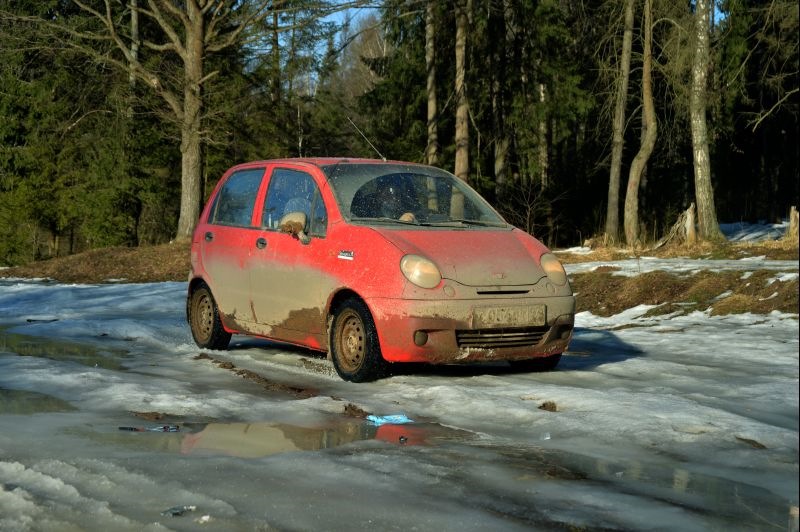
x: 275, y: 93
x: 704, y: 192
x: 191, y: 193
x: 631, y: 219
x: 432, y: 151
x: 542, y: 148
x: 502, y: 145
x: 794, y: 221
x: 462, y: 105
x: 617, y: 143
x: 134, y: 4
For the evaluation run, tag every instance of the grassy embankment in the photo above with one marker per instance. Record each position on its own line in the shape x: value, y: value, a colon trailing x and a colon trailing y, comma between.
x: 599, y: 291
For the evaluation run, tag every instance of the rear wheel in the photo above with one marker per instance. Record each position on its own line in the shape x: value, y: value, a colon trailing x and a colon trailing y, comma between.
x: 355, y: 349
x: 203, y: 316
x: 539, y: 364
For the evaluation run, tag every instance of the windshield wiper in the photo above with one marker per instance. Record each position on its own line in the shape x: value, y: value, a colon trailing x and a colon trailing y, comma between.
x: 480, y: 223
x: 383, y: 219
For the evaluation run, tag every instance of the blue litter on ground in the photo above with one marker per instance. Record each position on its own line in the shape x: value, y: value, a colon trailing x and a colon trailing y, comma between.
x: 394, y: 419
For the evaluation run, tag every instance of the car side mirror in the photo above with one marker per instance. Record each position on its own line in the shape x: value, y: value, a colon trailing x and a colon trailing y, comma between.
x: 294, y: 223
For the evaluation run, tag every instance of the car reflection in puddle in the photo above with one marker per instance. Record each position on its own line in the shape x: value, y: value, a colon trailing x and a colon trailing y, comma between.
x: 259, y: 439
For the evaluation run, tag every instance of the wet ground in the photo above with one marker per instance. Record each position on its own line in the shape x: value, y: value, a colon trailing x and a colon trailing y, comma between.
x: 107, y: 428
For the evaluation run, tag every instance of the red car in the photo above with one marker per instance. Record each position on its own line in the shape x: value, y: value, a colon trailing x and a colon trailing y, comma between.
x: 376, y: 263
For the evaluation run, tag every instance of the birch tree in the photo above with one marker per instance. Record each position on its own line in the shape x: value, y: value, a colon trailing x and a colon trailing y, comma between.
x: 704, y: 193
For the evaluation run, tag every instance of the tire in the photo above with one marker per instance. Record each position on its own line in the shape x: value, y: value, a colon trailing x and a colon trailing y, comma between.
x: 203, y: 317
x: 355, y: 349
x: 537, y: 365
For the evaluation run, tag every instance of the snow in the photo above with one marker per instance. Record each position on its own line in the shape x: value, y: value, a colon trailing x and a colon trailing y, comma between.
x: 753, y: 232
x: 683, y: 265
x: 684, y: 422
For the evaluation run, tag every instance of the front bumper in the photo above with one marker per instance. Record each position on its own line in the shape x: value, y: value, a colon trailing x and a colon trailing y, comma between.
x: 446, y: 332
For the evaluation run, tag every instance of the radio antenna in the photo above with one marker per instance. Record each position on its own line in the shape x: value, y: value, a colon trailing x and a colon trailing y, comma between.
x: 365, y: 138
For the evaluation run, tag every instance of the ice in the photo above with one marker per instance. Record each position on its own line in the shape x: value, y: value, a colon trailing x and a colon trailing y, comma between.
x: 685, y: 421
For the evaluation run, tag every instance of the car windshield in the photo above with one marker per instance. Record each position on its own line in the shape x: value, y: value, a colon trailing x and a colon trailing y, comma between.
x: 390, y: 193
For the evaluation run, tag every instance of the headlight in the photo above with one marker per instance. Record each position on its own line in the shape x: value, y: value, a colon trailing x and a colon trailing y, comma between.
x: 420, y: 271
x: 553, y: 268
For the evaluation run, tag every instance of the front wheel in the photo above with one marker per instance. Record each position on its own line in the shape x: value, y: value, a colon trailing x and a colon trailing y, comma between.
x: 355, y: 349
x: 539, y: 364
x: 203, y: 317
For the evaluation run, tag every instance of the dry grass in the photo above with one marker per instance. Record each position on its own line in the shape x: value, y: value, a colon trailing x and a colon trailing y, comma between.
x: 605, y: 294
x: 167, y: 262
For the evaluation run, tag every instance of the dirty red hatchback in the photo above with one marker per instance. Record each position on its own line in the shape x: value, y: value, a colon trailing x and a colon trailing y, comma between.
x: 376, y: 263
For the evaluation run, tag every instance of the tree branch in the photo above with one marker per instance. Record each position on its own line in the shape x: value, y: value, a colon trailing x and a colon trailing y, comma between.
x: 167, y: 28
x: 763, y: 116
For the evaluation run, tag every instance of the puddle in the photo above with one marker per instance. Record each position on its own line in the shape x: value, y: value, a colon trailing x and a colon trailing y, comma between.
x: 22, y: 402
x: 260, y: 439
x: 61, y: 350
x: 736, y: 501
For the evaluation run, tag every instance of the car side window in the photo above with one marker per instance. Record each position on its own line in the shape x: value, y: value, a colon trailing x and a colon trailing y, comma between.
x: 293, y: 191
x: 236, y: 199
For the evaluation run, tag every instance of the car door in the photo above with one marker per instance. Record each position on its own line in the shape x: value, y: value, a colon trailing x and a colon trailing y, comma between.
x: 289, y: 286
x: 225, y: 243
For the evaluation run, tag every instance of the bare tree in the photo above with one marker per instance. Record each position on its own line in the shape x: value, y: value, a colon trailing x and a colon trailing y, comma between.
x: 704, y: 193
x: 631, y: 217
x: 192, y: 30
x: 618, y: 125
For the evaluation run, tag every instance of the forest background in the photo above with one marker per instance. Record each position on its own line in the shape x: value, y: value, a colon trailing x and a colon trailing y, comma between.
x: 575, y: 118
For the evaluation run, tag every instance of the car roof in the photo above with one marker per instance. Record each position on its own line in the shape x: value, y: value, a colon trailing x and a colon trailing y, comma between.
x: 322, y: 161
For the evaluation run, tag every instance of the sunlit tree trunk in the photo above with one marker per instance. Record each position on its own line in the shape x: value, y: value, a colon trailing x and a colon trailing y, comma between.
x: 191, y: 122
x: 704, y: 193
x: 462, y: 105
x: 617, y: 143
x: 631, y: 219
x: 432, y: 151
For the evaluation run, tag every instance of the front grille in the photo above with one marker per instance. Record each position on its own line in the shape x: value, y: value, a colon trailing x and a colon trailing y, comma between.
x: 499, y: 338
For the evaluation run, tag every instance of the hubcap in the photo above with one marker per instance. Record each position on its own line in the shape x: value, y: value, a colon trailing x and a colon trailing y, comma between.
x: 203, y: 317
x: 351, y: 341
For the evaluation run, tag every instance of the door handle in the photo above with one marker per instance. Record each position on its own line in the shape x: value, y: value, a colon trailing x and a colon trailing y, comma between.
x: 261, y: 243
x: 209, y: 236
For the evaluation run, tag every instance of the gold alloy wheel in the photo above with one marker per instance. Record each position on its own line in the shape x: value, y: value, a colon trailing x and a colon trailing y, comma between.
x: 202, y: 315
x: 351, y: 341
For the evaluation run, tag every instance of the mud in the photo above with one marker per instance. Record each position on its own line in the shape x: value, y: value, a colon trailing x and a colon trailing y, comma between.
x: 352, y: 410
x: 549, y: 406
x: 270, y: 385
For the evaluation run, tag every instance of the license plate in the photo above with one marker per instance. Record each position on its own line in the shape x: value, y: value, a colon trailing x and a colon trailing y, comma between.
x: 531, y: 315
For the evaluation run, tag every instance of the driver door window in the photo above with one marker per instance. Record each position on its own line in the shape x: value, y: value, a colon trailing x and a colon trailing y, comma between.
x: 294, y: 191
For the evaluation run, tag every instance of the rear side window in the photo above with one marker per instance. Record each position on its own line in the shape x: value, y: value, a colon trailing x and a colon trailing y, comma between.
x: 236, y: 199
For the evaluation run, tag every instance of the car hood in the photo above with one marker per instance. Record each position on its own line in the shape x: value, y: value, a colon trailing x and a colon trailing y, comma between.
x: 475, y: 257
